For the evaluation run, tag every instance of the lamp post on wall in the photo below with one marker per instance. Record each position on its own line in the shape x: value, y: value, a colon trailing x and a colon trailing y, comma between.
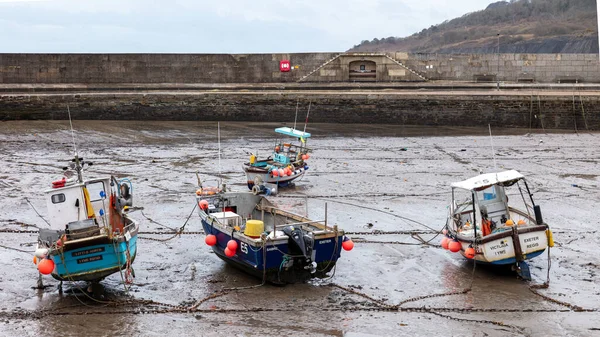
x: 498, y: 74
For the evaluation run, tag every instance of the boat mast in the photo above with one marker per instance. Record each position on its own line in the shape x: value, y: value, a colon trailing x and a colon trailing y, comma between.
x: 78, y: 167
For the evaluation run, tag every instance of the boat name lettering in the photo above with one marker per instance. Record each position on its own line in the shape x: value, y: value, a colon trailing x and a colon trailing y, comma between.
x: 89, y: 251
x: 271, y: 249
x: 322, y: 242
x: 500, y: 252
x: 90, y: 259
x: 502, y: 245
x: 535, y: 238
x: 533, y: 245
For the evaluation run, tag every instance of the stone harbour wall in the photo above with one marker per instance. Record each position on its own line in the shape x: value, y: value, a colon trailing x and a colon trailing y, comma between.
x: 521, y: 111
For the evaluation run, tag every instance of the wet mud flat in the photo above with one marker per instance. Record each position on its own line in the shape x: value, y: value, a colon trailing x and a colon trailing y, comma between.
x: 382, y: 184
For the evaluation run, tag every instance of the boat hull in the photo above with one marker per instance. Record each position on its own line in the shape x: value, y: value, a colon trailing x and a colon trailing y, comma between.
x: 249, y: 258
x: 265, y: 177
x: 501, y: 248
x: 95, y: 260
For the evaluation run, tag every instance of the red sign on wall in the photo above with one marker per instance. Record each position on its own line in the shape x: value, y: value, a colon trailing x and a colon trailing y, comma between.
x: 284, y: 66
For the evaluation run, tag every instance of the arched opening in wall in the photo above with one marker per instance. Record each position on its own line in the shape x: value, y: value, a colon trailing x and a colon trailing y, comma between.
x: 363, y: 71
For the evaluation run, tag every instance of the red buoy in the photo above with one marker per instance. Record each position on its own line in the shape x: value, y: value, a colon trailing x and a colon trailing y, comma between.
x: 445, y: 241
x: 46, y: 266
x: 229, y: 252
x: 277, y: 148
x: 210, y: 240
x: 281, y: 172
x: 348, y: 245
x: 304, y: 157
x: 454, y: 246
x: 275, y: 173
x: 470, y: 253
x: 232, y: 245
x: 203, y: 204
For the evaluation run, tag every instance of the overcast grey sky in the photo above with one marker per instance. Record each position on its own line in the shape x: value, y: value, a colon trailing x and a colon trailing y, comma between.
x: 217, y: 26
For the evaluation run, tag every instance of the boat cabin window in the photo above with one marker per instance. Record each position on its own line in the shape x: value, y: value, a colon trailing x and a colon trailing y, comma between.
x: 95, y: 190
x: 58, y: 198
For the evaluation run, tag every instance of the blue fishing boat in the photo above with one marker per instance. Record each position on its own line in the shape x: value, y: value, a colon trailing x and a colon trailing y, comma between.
x: 483, y: 226
x: 286, y: 162
x: 252, y: 234
x: 91, y: 235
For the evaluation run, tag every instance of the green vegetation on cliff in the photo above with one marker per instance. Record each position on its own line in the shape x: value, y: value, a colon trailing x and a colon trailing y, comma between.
x: 523, y: 26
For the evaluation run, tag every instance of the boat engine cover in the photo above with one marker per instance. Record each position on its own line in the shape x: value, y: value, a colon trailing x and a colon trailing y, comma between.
x: 299, y: 242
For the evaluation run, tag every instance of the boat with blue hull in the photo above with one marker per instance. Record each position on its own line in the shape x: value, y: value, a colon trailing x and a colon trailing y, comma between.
x: 252, y: 234
x: 91, y: 235
x: 483, y: 226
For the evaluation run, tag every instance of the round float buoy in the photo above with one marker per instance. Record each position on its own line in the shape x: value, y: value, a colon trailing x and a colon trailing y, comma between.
x: 46, y: 266
x: 304, y: 157
x: 275, y: 173
x: 281, y: 172
x: 210, y: 240
x: 229, y: 252
x: 288, y: 171
x: 347, y: 244
x: 454, y: 246
x: 232, y: 245
x: 444, y: 243
x: 470, y: 253
x: 35, y: 260
x: 307, y: 156
x: 203, y: 204
x: 521, y: 222
x: 277, y: 148
x: 509, y: 222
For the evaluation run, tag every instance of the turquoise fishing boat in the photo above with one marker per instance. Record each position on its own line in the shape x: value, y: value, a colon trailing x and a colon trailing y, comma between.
x: 91, y: 235
x: 286, y: 162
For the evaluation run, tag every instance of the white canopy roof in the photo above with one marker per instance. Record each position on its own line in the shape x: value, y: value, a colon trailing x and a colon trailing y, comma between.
x: 488, y: 179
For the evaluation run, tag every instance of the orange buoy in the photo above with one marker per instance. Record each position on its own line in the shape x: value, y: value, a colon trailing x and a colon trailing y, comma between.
x: 35, y: 260
x: 454, y: 246
x: 521, y: 222
x: 46, y: 266
x: 210, y: 240
x: 445, y: 241
x: 281, y: 172
x: 232, y: 245
x: 470, y: 253
x: 229, y: 252
x: 347, y: 244
x: 275, y: 173
x: 304, y: 157
x: 509, y: 222
x: 203, y: 204
x: 277, y: 148
x: 288, y: 171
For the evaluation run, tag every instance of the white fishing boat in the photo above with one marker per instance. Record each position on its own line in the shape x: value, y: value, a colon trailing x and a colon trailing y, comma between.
x: 483, y: 225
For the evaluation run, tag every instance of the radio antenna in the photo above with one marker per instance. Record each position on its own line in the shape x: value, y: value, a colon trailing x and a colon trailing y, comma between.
x: 492, y: 142
x: 307, y: 113
x: 72, y: 133
x: 296, y: 118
